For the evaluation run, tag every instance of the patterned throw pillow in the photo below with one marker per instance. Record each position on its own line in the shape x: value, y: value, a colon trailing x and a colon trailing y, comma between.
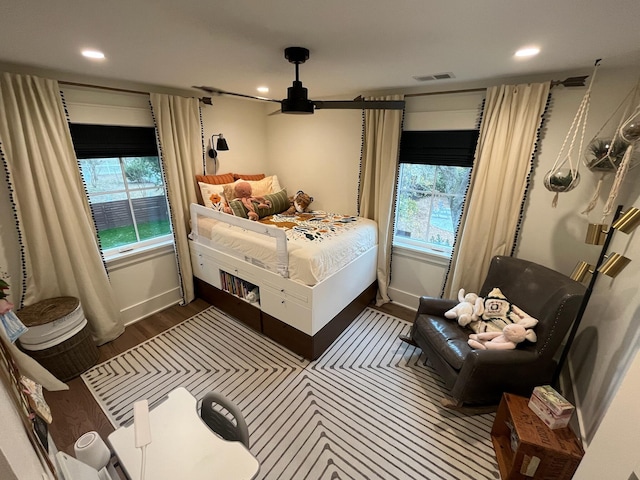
x: 212, y: 196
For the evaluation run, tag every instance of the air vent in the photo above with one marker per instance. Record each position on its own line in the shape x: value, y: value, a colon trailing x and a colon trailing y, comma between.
x: 435, y: 76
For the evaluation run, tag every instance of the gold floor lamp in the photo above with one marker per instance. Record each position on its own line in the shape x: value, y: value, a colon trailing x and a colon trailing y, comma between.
x: 610, y: 264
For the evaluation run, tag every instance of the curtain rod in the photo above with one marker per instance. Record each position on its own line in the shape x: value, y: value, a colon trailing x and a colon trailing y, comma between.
x: 568, y: 82
x: 206, y: 100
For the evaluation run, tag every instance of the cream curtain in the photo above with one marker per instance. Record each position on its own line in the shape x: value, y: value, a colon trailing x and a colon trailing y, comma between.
x: 378, y: 171
x: 504, y: 158
x: 181, y: 147
x: 60, y: 252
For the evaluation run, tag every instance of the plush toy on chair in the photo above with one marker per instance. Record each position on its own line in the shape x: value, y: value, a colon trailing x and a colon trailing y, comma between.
x: 510, y: 336
x: 298, y: 203
x: 468, y: 310
x: 244, y: 193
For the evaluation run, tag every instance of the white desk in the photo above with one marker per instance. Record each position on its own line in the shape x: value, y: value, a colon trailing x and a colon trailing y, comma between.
x: 182, y: 446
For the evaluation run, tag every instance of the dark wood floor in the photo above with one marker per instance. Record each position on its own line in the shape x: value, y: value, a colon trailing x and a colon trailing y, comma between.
x: 75, y: 411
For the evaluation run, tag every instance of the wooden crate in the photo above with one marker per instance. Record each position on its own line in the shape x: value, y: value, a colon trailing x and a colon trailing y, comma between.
x: 526, y: 448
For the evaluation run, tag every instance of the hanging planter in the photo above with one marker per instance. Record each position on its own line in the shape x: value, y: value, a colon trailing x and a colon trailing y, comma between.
x: 604, y: 155
x: 615, y: 149
x: 562, y: 180
x: 564, y: 175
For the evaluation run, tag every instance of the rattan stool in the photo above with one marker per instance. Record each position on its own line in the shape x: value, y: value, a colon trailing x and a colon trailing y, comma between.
x: 58, y: 337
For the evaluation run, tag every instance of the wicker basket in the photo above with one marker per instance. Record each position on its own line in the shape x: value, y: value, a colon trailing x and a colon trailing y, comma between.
x: 74, y: 351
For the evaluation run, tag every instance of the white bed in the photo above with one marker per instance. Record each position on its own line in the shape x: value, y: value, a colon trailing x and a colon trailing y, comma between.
x: 308, y: 270
x: 318, y: 244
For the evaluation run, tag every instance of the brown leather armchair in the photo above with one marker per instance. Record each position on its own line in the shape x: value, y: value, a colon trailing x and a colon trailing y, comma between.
x: 479, y: 377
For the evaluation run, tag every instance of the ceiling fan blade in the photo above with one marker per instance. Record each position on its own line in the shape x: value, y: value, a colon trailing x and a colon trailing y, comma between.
x: 224, y: 92
x: 360, y: 104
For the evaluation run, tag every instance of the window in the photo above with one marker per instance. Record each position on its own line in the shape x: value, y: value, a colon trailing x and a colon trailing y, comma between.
x: 123, y: 178
x: 435, y: 168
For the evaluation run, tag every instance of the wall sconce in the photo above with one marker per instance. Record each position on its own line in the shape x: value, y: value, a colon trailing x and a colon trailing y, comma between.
x: 221, y: 145
x: 629, y: 220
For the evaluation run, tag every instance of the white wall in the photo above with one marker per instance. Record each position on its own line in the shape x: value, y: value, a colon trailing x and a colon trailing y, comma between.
x: 243, y: 124
x: 615, y: 450
x: 319, y: 154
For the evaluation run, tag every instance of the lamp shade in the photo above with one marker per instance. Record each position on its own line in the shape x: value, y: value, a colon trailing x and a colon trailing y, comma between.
x: 580, y: 271
x: 629, y: 221
x: 614, y: 265
x: 222, y: 143
x: 596, y: 234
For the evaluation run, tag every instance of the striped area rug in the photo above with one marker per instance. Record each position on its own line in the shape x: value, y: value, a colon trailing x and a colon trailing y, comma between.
x: 367, y: 409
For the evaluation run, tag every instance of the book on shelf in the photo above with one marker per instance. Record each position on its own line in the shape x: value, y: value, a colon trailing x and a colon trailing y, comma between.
x: 238, y: 287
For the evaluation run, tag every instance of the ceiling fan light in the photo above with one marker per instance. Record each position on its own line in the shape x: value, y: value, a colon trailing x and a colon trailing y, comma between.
x: 527, y: 52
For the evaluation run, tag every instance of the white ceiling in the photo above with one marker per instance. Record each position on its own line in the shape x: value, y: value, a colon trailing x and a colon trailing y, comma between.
x: 356, y: 45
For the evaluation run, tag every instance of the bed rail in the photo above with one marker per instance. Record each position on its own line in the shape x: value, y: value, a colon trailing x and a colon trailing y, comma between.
x: 256, y: 227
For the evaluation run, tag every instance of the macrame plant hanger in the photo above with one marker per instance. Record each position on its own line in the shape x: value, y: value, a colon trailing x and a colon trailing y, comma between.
x: 613, y: 151
x: 560, y: 178
x: 628, y: 132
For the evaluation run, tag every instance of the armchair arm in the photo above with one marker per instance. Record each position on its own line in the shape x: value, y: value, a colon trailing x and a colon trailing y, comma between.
x: 486, y: 374
x: 435, y: 306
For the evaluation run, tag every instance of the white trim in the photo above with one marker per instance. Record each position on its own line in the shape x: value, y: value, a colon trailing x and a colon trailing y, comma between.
x: 139, y: 254
x: 421, y: 255
x: 141, y: 310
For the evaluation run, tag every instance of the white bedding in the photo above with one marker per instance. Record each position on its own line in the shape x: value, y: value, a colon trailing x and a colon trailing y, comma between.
x: 319, y: 243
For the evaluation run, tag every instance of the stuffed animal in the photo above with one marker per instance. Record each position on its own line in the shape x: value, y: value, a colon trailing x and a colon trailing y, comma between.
x: 495, y: 313
x: 298, y: 203
x: 243, y: 192
x: 510, y: 336
x: 467, y: 310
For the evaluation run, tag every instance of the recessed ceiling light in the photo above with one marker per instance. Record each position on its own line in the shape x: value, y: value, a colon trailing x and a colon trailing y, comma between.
x: 527, y: 52
x: 95, y: 54
x: 263, y: 89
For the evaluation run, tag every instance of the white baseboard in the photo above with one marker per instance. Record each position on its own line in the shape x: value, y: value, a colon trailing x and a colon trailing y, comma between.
x: 404, y: 299
x: 137, y: 312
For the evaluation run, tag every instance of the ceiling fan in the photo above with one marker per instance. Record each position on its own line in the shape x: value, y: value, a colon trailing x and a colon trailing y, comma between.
x: 297, y: 100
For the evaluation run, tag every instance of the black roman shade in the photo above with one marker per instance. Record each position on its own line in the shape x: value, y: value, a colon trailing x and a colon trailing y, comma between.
x: 454, y: 148
x: 106, y: 141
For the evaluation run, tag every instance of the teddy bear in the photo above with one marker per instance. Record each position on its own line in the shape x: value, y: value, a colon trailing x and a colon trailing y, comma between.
x: 298, y: 203
x: 467, y: 310
x: 510, y: 336
x: 243, y: 192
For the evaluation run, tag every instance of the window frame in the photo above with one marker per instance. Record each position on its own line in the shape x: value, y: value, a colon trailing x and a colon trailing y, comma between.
x: 121, y: 142
x: 454, y: 148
